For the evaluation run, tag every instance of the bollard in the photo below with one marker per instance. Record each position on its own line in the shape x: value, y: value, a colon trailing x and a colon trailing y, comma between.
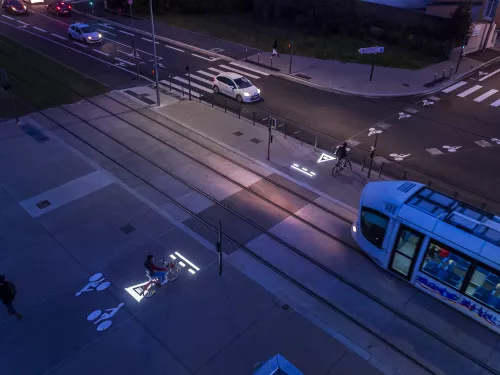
x: 444, y: 71
x: 451, y: 72
x: 435, y: 77
x: 271, y: 61
x: 253, y: 123
x: 258, y: 58
x: 285, y: 131
x: 455, y: 195
x: 301, y: 141
x: 246, y: 54
x: 182, y: 89
x: 170, y: 80
x: 363, y: 166
x: 239, y: 114
x: 199, y: 95
x: 381, y: 169
x: 225, y: 109
x: 429, y: 183
x: 404, y: 175
x: 315, y: 143
x: 483, y: 206
x: 219, y: 248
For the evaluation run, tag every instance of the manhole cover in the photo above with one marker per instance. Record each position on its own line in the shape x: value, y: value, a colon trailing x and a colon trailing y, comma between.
x: 238, y: 134
x: 255, y: 140
x: 127, y: 229
x: 43, y: 204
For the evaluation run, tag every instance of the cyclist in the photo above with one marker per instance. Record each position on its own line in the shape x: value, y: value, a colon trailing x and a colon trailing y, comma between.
x: 342, y: 155
x: 155, y: 271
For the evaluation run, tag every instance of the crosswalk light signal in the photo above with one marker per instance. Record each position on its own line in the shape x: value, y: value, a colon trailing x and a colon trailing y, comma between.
x: 153, y: 71
x: 91, y: 3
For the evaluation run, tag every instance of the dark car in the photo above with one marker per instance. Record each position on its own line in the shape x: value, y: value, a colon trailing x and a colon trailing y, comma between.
x: 60, y: 8
x: 14, y: 7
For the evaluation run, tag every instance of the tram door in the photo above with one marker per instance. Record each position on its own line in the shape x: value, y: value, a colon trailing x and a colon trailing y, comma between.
x: 405, y: 251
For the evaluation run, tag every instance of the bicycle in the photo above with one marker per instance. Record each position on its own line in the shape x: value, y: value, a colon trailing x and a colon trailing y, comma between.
x: 173, y: 272
x: 341, y: 165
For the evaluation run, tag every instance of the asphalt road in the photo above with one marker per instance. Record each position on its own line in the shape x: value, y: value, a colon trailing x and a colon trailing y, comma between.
x: 414, y: 134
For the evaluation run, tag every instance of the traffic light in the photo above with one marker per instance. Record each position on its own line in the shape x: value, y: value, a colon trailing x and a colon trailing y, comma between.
x: 91, y: 3
x: 153, y: 71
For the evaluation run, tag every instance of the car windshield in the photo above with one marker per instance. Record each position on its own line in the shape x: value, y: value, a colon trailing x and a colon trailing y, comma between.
x: 86, y: 30
x: 242, y: 83
x: 15, y: 4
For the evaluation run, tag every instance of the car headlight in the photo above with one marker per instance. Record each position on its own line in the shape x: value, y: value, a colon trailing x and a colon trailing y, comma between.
x: 89, y: 37
x: 246, y: 94
x: 24, y: 7
x: 99, y: 35
x: 258, y: 90
x: 354, y: 229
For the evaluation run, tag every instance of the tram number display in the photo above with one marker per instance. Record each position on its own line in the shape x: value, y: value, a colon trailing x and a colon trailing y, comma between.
x: 454, y: 297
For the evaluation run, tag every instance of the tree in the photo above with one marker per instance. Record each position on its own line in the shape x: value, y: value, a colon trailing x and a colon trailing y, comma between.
x: 461, y: 20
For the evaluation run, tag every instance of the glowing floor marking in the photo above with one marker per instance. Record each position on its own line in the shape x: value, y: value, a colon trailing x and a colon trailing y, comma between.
x: 187, y: 261
x: 182, y: 264
x: 303, y: 170
x: 190, y: 270
x: 173, y: 256
x: 132, y: 291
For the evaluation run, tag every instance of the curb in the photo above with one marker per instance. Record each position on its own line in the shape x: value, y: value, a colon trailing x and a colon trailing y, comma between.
x: 159, y: 37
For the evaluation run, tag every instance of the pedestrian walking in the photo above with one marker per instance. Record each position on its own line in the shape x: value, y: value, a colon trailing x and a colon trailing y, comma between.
x: 275, y: 48
x: 7, y: 295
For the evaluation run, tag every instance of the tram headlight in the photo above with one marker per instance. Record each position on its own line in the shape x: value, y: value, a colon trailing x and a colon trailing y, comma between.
x: 354, y: 229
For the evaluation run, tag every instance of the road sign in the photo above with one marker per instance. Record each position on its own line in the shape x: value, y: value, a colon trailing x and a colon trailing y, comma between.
x: 325, y: 157
x: 370, y: 50
x: 130, y: 2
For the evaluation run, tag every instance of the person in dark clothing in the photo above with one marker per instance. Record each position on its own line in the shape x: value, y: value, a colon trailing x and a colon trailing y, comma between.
x: 342, y: 154
x: 275, y: 48
x: 7, y: 295
x: 154, y: 270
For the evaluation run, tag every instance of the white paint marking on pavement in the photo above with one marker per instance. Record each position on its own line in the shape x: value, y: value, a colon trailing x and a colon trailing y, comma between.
x: 496, y: 103
x: 177, y: 49
x: 469, y: 91
x: 211, y: 75
x: 37, y: 28
x: 23, y: 23
x: 10, y: 18
x: 454, y: 87
x: 58, y: 36
x: 216, y: 70
x: 248, y: 68
x: 239, y: 71
x: 80, y: 44
x: 483, y: 143
x: 178, y: 87
x: 124, y: 61
x: 107, y: 32
x: 125, y: 32
x: 489, y: 75
x: 203, y: 57
x: 192, y: 84
x: 434, y: 151
x: 98, y: 51
x: 149, y: 40
x: 194, y: 76
x: 486, y: 95
x: 106, y: 26
x: 61, y: 195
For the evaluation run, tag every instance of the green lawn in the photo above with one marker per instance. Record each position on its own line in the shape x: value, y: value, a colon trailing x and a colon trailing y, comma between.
x: 242, y: 29
x: 40, y: 82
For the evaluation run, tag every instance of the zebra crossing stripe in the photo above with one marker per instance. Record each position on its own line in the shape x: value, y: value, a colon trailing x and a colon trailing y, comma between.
x: 192, y: 84
x: 178, y: 87
x: 469, y: 91
x: 485, y: 95
x: 454, y: 87
x: 194, y: 76
x: 496, y: 103
x: 239, y: 71
x: 248, y: 68
x: 211, y: 75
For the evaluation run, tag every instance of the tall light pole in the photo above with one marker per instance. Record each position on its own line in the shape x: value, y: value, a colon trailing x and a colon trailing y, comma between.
x: 154, y: 53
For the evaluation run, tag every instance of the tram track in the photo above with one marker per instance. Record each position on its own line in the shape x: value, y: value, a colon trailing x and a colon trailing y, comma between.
x: 274, y: 237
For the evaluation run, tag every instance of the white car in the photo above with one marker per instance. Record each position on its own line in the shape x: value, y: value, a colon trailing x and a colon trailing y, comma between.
x: 84, y: 33
x: 236, y: 86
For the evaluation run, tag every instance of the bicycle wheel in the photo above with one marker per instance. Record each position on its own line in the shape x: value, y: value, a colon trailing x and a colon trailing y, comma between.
x: 336, y: 171
x: 173, y: 273
x: 150, y: 291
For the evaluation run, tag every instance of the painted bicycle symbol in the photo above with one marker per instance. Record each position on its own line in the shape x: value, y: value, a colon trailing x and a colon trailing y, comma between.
x: 373, y: 131
x: 452, y: 148
x: 96, y: 282
x: 403, y: 115
x: 496, y: 140
x: 103, y: 317
x: 399, y: 157
x: 426, y: 102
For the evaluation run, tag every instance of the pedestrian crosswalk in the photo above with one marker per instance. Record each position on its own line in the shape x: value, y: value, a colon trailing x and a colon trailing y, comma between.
x: 477, y: 93
x: 201, y: 81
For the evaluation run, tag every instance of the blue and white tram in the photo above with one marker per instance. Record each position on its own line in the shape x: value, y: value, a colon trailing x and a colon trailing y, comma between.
x: 441, y: 245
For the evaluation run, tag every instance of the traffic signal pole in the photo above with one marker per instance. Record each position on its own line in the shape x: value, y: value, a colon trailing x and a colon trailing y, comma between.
x: 154, y: 53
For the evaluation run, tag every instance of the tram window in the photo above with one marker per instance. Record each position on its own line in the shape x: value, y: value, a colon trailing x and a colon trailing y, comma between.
x: 484, y: 286
x: 405, y: 249
x: 443, y: 264
x: 374, y: 226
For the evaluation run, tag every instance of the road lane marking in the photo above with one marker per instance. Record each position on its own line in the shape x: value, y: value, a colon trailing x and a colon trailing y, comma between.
x: 485, y: 95
x: 37, y: 28
x: 106, y: 26
x: 203, y: 57
x: 239, y: 71
x: 496, y: 103
x: 248, y: 68
x: 58, y: 36
x: 124, y: 61
x: 192, y: 84
x: 98, y: 51
x: 149, y: 40
x: 454, y: 87
x: 10, y: 18
x: 469, y: 91
x: 107, y: 32
x: 23, y: 23
x: 194, y: 76
x: 125, y: 32
x: 489, y: 75
x: 80, y: 44
x: 211, y: 75
x: 178, y: 87
x: 177, y: 49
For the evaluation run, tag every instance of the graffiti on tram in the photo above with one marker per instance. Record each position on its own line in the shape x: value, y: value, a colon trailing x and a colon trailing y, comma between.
x: 458, y: 299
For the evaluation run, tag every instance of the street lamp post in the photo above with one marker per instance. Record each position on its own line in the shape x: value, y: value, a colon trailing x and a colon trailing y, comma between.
x: 154, y: 52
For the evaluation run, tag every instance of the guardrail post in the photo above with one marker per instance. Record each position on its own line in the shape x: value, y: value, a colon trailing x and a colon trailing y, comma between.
x: 219, y: 248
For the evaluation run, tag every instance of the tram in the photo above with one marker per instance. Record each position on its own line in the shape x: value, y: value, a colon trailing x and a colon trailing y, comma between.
x: 442, y: 246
